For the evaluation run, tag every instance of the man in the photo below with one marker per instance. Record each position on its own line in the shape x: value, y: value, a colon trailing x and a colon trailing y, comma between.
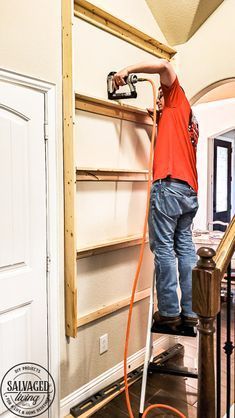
x: 173, y: 201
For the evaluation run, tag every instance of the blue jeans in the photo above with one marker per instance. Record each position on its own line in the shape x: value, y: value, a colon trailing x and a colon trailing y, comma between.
x: 172, y: 209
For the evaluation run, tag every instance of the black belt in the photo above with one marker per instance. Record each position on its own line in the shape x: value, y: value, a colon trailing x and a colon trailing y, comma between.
x: 173, y: 180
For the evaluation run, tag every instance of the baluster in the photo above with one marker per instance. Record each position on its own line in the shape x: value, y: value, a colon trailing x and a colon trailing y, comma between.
x: 228, y: 346
x: 218, y: 365
x: 206, y: 304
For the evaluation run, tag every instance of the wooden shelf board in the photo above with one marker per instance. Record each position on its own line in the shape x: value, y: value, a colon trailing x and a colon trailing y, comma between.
x: 91, y: 174
x: 109, y: 23
x: 112, y: 109
x: 109, y: 246
x: 106, y: 310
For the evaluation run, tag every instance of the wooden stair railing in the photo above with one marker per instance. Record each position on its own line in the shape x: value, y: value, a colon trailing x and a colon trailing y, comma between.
x: 206, y: 303
x: 206, y: 286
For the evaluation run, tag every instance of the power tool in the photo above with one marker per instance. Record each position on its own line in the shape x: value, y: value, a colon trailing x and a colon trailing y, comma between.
x: 114, y: 94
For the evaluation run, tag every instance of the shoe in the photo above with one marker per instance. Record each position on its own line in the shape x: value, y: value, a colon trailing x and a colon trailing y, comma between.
x: 189, y: 321
x: 169, y: 321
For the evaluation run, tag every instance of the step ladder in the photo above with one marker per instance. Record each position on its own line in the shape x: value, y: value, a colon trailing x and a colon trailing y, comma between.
x: 157, y: 364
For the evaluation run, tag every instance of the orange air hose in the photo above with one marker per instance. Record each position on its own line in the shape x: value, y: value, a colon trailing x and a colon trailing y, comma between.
x: 178, y: 413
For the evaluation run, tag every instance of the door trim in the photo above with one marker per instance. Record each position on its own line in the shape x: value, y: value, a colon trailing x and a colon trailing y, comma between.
x: 210, y: 166
x: 52, y: 184
x: 223, y: 143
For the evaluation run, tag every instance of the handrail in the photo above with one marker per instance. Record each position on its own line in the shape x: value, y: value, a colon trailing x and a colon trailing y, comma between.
x: 226, y: 248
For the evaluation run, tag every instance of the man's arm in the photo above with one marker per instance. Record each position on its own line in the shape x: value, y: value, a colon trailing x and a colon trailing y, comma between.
x: 156, y: 66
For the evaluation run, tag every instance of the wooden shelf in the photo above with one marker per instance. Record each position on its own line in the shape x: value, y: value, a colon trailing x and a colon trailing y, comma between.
x: 109, y: 246
x: 109, y: 23
x: 106, y: 310
x: 91, y: 174
x: 71, y: 101
x: 112, y: 109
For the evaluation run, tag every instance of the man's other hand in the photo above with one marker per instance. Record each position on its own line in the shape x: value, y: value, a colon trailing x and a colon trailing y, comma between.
x: 118, y: 78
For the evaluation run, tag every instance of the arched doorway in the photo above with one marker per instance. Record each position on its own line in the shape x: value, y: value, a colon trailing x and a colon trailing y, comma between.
x: 218, y: 194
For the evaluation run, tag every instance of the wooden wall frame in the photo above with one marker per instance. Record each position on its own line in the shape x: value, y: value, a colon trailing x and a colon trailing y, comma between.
x: 71, y: 101
x: 100, y: 313
x: 70, y: 267
x: 106, y: 247
x: 105, y: 21
x: 112, y: 109
x: 92, y: 174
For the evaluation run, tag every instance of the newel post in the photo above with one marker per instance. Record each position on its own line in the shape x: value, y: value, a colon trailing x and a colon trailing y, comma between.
x: 206, y: 303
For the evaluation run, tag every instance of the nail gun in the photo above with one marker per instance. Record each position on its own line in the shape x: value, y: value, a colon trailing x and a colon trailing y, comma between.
x: 113, y: 94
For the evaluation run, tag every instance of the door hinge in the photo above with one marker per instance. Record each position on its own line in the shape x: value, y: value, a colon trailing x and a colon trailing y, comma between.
x: 48, y: 263
x: 45, y: 131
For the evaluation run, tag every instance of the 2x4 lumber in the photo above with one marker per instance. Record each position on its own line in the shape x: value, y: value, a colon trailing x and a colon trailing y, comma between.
x: 100, y: 313
x: 109, y: 246
x: 226, y: 248
x: 109, y: 23
x: 69, y: 174
x: 90, y: 174
x: 112, y: 109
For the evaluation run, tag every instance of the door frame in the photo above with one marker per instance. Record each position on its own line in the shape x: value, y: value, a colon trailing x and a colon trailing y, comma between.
x: 223, y: 143
x: 52, y: 185
x: 210, y: 187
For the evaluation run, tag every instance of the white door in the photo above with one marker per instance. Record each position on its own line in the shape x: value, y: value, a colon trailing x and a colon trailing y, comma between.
x: 23, y: 290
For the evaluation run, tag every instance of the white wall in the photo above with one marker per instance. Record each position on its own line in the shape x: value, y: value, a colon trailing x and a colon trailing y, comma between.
x: 214, y: 118
x: 209, y: 55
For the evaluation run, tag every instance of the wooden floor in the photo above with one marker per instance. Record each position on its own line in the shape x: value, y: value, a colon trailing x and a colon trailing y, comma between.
x: 178, y: 392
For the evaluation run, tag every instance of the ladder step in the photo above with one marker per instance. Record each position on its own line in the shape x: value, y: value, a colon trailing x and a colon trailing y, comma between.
x: 180, y: 330
x: 174, y: 371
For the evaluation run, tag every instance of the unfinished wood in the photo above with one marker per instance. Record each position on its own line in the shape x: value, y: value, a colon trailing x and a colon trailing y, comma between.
x: 109, y: 246
x: 226, y: 248
x: 90, y: 174
x: 69, y: 174
x: 111, y: 109
x: 103, y: 20
x: 100, y: 313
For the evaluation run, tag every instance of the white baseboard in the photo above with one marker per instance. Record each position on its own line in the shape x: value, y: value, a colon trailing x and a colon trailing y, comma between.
x: 111, y: 375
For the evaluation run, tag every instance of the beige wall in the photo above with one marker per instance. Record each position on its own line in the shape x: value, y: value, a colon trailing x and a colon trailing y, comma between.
x: 107, y: 211
x: 30, y: 38
x: 30, y: 45
x: 136, y: 13
x: 209, y: 55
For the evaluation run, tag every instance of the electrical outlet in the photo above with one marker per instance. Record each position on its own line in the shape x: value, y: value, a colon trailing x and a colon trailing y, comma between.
x: 103, y: 343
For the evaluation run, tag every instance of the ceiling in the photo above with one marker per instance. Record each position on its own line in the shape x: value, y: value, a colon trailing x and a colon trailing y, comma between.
x: 180, y: 19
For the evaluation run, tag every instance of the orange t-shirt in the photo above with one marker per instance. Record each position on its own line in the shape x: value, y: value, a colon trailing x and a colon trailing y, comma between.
x: 175, y: 152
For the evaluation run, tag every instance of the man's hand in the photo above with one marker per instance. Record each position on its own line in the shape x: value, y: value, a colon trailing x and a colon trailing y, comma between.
x: 155, y: 66
x: 118, y: 78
